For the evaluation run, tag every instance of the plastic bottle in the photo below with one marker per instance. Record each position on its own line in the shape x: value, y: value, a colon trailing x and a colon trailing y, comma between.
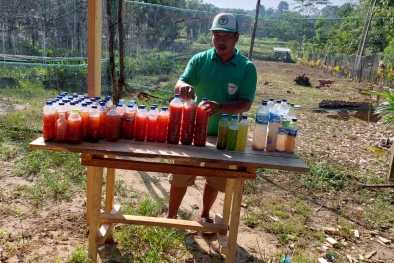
x: 291, y: 136
x: 284, y: 108
x: 129, y: 122
x: 242, y: 136
x: 174, y: 123
x: 201, y: 127
x: 61, y: 128
x: 112, y: 125
x: 108, y: 104
x: 49, y: 122
x: 260, y: 129
x: 291, y: 115
x: 162, y: 124
x: 188, y: 119
x: 60, y: 109
x: 222, y: 133
x: 273, y: 125
x: 84, y: 113
x: 103, y: 113
x: 140, y: 124
x: 270, y: 104
x: 151, y: 125
x: 121, y: 110
x: 232, y: 134
x: 94, y: 125
x: 74, y: 127
x: 283, y: 130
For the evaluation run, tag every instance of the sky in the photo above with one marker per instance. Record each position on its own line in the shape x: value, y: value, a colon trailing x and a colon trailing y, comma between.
x: 251, y: 4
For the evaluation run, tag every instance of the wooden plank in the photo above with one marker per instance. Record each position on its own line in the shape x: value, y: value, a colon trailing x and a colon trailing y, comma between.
x: 106, y: 229
x: 209, y: 153
x: 390, y: 176
x: 228, y: 197
x: 167, y: 168
x: 222, y: 238
x: 163, y: 222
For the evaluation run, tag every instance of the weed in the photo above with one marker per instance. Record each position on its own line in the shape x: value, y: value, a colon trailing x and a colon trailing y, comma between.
x: 79, y: 255
x: 325, y: 178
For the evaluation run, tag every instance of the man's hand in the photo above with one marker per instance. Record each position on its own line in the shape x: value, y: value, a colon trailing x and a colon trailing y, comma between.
x: 212, y: 107
x: 186, y: 92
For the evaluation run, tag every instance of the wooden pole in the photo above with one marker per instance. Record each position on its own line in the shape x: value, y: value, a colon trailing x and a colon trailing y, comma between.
x: 256, y: 17
x: 94, y: 47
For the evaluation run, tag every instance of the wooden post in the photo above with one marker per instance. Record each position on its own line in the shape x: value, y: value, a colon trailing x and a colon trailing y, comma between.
x: 391, y: 167
x: 94, y: 47
x: 256, y: 19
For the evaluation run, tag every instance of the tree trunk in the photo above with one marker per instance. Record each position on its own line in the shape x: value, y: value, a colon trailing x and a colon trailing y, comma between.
x: 121, y: 48
x: 256, y: 17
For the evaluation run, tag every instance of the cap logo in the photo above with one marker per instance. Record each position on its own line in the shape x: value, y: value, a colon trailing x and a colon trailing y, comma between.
x: 223, y: 20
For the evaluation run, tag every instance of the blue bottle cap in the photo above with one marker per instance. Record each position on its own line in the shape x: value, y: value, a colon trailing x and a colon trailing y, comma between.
x: 235, y: 116
x: 224, y: 115
x: 142, y: 107
x: 244, y: 117
x: 164, y: 108
x: 177, y: 96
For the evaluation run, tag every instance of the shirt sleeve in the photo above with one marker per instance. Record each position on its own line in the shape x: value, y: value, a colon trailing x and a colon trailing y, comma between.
x: 249, y: 83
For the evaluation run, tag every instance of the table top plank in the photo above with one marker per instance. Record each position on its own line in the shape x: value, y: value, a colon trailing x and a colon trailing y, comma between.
x: 209, y: 153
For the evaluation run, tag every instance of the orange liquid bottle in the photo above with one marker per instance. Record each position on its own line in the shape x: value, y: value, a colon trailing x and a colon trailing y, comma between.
x: 151, y: 125
x: 140, y: 124
x: 129, y: 122
x: 94, y: 125
x: 201, y: 128
x: 188, y: 119
x: 121, y: 110
x: 291, y: 136
x: 112, y: 125
x: 49, y: 122
x: 61, y: 128
x: 74, y: 127
x: 175, y: 119
x: 84, y: 113
x: 162, y: 125
x: 103, y: 113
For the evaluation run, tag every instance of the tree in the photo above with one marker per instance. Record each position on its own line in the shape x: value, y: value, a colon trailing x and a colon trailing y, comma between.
x: 308, y: 8
x: 283, y: 7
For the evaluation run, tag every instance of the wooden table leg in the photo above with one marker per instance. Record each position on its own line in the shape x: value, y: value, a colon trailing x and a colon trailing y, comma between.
x: 234, y: 221
x: 95, y: 207
x: 110, y: 195
x: 228, y: 196
x: 89, y: 181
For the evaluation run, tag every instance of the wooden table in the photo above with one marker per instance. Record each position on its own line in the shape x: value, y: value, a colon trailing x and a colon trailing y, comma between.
x: 144, y: 156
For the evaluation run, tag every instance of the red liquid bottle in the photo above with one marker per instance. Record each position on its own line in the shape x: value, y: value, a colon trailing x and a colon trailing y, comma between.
x: 174, y: 123
x: 151, y: 126
x: 121, y: 110
x: 84, y: 113
x: 162, y: 125
x: 140, y: 124
x: 112, y: 124
x: 49, y: 122
x: 103, y: 113
x: 74, y: 127
x: 94, y: 125
x: 61, y: 128
x: 129, y: 122
x: 188, y: 119
x: 201, y: 128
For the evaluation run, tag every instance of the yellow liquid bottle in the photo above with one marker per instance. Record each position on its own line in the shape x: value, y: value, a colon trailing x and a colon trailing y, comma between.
x: 242, y: 134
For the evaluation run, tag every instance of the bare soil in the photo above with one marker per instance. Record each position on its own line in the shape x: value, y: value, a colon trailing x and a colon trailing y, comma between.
x: 55, y: 231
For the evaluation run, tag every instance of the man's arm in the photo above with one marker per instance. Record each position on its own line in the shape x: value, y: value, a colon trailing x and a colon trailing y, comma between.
x: 234, y: 107
x: 185, y: 90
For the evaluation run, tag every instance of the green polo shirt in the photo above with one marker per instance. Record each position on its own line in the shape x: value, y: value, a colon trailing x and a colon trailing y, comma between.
x: 236, y: 79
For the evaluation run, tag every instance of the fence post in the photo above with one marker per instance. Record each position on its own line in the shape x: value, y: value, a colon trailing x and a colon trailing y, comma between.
x: 390, y: 176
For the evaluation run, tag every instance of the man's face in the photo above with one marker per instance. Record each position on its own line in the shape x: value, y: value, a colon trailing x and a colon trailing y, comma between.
x: 224, y: 42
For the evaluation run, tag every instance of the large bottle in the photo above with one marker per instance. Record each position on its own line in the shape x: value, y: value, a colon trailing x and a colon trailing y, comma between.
x: 121, y: 110
x: 103, y: 113
x: 222, y: 133
x: 291, y: 115
x: 94, y: 124
x: 284, y: 108
x: 273, y: 125
x: 270, y: 104
x: 74, y: 127
x: 129, y: 121
x: 151, y: 126
x: 291, y: 136
x: 188, y: 119
x: 112, y: 125
x: 260, y: 129
x: 60, y: 109
x: 162, y: 124
x: 201, y: 127
x: 174, y: 123
x: 242, y: 136
x: 84, y: 113
x: 232, y: 133
x: 140, y: 124
x: 283, y: 130
x: 61, y: 128
x: 49, y: 122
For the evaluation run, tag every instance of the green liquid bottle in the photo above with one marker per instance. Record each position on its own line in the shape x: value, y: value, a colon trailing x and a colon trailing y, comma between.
x: 242, y: 134
x: 222, y: 133
x: 232, y: 133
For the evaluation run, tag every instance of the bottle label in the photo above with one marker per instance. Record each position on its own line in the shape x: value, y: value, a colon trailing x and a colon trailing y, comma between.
x: 274, y: 118
x: 292, y: 132
x: 262, y: 119
x: 283, y: 131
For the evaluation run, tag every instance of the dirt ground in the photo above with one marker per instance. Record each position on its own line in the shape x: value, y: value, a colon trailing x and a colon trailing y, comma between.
x: 55, y: 233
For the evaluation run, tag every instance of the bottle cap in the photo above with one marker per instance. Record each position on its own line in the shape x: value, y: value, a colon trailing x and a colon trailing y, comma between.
x: 271, y: 99
x: 142, y: 107
x: 94, y: 107
x: 235, y: 116
x: 120, y: 104
x: 284, y: 100
x: 152, y: 107
x: 294, y: 119
x: 102, y: 103
x: 84, y: 104
x: 75, y: 111
x: 278, y: 101
x: 61, y: 103
x: 164, y: 108
x: 97, y: 97
x: 224, y: 115
x: 177, y: 96
x: 264, y: 103
x: 204, y: 99
x: 244, y: 117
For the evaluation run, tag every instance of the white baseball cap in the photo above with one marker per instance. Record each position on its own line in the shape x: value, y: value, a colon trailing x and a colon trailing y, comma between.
x: 225, y: 22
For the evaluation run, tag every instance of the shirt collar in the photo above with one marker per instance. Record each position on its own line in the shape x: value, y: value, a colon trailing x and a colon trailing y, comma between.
x: 234, y: 60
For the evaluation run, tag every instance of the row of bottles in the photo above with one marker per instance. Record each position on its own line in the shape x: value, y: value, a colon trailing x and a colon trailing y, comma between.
x: 232, y: 135
x: 276, y: 127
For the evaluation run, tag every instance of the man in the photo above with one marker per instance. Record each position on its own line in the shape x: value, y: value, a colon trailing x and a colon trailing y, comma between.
x: 228, y: 80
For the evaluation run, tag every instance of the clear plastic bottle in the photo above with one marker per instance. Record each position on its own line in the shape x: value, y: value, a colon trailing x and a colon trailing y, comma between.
x: 74, y: 127
x: 162, y: 124
x: 232, y: 133
x: 291, y: 115
x: 108, y: 104
x: 129, y: 122
x: 61, y: 128
x: 273, y: 125
x: 121, y: 110
x: 242, y: 134
x: 260, y: 129
x: 94, y: 125
x: 188, y: 119
x: 103, y: 113
x: 201, y: 127
x: 283, y: 130
x: 222, y: 133
x: 270, y: 104
x: 151, y: 125
x: 49, y: 122
x: 174, y: 124
x: 140, y: 124
x: 291, y: 136
x: 84, y: 113
x: 112, y: 125
x: 284, y: 108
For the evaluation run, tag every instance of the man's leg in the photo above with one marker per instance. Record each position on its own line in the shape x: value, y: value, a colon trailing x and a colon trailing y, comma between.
x: 208, y: 199
x: 176, y: 196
